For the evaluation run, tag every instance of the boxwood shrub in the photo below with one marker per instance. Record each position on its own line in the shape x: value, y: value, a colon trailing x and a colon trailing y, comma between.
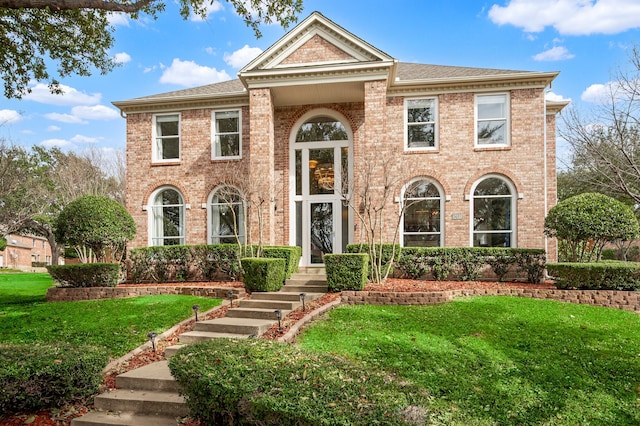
x: 291, y: 255
x: 43, y: 376
x: 263, y: 274
x: 260, y: 382
x: 85, y: 274
x: 610, y: 275
x: 386, y: 253
x: 347, y: 271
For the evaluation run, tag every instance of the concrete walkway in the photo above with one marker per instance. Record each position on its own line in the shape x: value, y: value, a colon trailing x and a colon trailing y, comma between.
x: 150, y: 396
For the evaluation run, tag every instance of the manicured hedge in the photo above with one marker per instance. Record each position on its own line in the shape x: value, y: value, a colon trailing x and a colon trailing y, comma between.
x: 260, y: 382
x: 596, y: 276
x: 347, y: 271
x: 470, y: 263
x: 291, y: 255
x: 263, y: 274
x: 85, y: 274
x: 384, y: 254
x: 41, y: 376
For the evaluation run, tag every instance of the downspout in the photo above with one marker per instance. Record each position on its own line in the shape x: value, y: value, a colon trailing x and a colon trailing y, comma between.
x: 546, y: 171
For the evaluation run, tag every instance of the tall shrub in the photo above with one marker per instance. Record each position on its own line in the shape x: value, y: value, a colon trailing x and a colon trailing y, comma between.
x: 586, y: 222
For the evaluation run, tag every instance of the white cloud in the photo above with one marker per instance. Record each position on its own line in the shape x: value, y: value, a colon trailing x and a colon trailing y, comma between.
x: 53, y: 128
x: 557, y: 53
x: 50, y: 143
x: 554, y: 97
x: 65, y: 118
x: 572, y: 17
x: 189, y: 74
x: 95, y: 112
x: 122, y: 58
x: 8, y: 116
x: 242, y: 57
x: 599, y: 93
x: 70, y: 96
x: 211, y: 8
x: 118, y: 18
x: 84, y: 139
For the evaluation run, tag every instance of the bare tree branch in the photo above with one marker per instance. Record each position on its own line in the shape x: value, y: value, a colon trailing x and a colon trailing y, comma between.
x: 111, y: 6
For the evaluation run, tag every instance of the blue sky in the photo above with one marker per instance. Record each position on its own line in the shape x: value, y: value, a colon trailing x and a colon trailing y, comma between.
x: 586, y: 40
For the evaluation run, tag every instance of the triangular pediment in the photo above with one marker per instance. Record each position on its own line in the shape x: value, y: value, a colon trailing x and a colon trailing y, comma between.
x: 316, y: 42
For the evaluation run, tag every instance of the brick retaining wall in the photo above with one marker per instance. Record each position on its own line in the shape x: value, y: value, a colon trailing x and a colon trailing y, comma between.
x: 67, y: 294
x: 627, y: 300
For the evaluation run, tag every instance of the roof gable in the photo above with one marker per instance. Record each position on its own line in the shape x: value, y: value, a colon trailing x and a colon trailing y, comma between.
x: 316, y: 41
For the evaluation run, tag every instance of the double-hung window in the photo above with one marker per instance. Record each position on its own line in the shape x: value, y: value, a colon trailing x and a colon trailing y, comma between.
x: 492, y: 120
x: 167, y: 138
x: 421, y: 124
x: 227, y: 135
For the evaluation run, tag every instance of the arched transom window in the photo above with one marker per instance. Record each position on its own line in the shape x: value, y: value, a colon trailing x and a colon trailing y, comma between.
x: 493, y: 213
x: 422, y: 219
x: 167, y: 218
x: 226, y: 216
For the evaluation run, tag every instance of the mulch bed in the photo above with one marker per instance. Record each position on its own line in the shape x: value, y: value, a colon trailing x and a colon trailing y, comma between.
x: 63, y: 416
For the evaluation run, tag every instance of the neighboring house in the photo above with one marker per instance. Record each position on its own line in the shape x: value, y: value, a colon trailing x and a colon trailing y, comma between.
x: 474, y: 150
x: 22, y: 251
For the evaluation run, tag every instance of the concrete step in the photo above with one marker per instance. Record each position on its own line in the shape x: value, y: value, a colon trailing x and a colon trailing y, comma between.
x: 170, y: 351
x: 270, y: 304
x: 256, y: 313
x: 307, y: 278
x: 108, y: 418
x: 199, y: 336
x: 280, y: 296
x: 304, y: 288
x: 234, y: 325
x: 153, y: 377
x: 311, y: 270
x: 143, y: 402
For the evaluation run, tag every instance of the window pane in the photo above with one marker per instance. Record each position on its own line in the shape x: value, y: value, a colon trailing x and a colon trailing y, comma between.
x: 491, y: 132
x: 298, y: 172
x: 491, y: 107
x: 492, y: 186
x: 422, y: 189
x: 168, y: 128
x: 169, y: 148
x: 502, y: 239
x: 421, y: 136
x: 321, y: 129
x: 227, y: 122
x: 227, y: 145
x: 321, y: 173
x: 422, y: 216
x: 492, y: 214
x: 422, y: 240
x: 227, y: 216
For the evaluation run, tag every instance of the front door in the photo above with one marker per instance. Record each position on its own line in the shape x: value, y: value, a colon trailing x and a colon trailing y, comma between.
x: 320, y: 160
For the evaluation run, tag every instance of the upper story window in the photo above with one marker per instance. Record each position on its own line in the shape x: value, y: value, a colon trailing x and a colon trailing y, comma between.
x: 167, y: 218
x: 421, y: 124
x: 227, y: 135
x: 494, y: 213
x: 167, y: 137
x: 422, y: 219
x: 492, y: 120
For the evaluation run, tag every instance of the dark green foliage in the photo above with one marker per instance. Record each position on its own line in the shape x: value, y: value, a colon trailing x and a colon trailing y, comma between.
x: 38, y: 264
x: 263, y: 274
x: 347, y: 271
x: 98, y: 223
x: 381, y: 256
x: 631, y: 254
x: 3, y: 243
x: 48, y: 375
x: 468, y: 263
x: 85, y: 274
x: 587, y: 221
x: 596, y: 276
x: 291, y: 254
x: 259, y: 382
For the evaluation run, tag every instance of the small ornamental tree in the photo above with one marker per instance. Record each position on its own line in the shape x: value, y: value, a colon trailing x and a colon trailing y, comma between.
x: 97, y: 227
x: 586, y: 222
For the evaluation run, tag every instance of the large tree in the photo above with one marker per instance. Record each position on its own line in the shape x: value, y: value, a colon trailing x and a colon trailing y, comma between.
x: 606, y: 140
x: 76, y: 35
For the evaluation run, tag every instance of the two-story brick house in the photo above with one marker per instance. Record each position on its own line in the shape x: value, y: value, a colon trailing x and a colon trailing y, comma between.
x: 322, y: 113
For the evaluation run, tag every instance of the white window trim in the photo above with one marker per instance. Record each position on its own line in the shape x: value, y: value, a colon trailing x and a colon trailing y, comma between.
x: 214, y: 134
x: 151, y: 219
x: 154, y: 143
x: 443, y: 198
x: 436, y: 138
x: 514, y: 212
x: 209, y: 207
x: 507, y: 118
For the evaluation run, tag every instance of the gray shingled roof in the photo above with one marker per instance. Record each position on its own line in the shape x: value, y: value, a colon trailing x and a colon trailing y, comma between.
x: 406, y: 72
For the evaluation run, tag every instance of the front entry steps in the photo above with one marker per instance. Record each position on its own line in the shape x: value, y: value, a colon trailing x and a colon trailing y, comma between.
x: 150, y: 396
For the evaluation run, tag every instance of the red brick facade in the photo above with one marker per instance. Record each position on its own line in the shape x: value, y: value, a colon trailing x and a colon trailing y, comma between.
x: 368, y: 92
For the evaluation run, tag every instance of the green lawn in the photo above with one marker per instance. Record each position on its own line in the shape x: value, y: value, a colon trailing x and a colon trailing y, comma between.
x: 118, y: 325
x: 499, y: 360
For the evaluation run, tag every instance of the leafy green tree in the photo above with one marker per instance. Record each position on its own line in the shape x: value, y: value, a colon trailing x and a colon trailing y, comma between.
x: 3, y: 243
x: 75, y: 35
x: 97, y: 226
x: 585, y: 222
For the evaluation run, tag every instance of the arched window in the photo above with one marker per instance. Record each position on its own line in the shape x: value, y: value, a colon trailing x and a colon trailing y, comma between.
x: 226, y: 216
x: 422, y: 219
x: 493, y: 213
x: 167, y: 218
